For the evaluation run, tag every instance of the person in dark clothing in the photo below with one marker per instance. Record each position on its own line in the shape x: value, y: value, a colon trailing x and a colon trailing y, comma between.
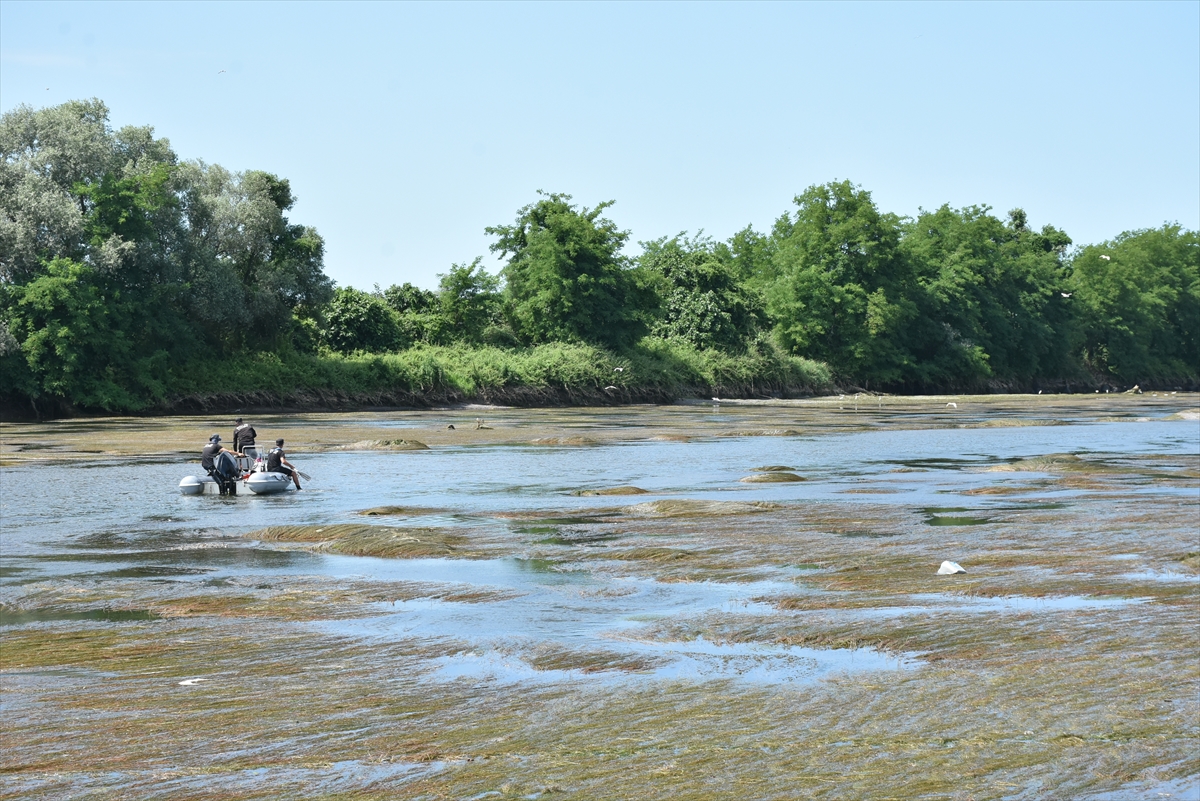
x: 243, y: 435
x: 277, y: 463
x: 222, y: 468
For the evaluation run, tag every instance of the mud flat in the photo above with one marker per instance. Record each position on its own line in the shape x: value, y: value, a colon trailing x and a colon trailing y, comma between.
x: 491, y: 616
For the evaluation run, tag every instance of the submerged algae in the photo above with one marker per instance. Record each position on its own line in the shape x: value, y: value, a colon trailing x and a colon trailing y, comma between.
x: 1067, y: 661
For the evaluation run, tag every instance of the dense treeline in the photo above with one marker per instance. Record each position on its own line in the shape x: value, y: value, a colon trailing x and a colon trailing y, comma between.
x: 129, y: 278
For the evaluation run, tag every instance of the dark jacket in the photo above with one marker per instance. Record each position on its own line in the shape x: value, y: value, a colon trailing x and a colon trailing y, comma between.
x: 209, y: 454
x: 243, y: 435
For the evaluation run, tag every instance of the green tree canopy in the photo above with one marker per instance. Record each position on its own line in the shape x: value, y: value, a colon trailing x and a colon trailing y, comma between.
x: 841, y: 291
x: 1138, y: 300
x: 992, y: 301
x: 469, y: 300
x: 360, y: 321
x: 701, y: 300
x: 566, y: 277
x: 185, y: 258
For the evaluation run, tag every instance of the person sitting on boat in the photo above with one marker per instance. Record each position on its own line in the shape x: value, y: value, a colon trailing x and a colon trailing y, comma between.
x: 220, y: 466
x: 277, y: 463
x: 243, y: 435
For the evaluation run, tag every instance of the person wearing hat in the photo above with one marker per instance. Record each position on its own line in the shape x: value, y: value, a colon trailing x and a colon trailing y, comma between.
x: 243, y: 435
x: 277, y: 463
x: 224, y: 471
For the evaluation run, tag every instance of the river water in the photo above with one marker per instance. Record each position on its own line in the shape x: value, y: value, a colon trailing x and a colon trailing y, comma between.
x: 728, y: 638
x: 87, y: 523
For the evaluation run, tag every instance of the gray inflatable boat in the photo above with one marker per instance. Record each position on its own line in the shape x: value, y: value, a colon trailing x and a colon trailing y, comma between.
x: 247, y: 475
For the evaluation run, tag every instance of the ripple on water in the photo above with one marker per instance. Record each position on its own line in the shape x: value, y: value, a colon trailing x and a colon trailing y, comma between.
x: 591, y: 622
x: 942, y: 604
x: 693, y: 660
x: 1164, y: 576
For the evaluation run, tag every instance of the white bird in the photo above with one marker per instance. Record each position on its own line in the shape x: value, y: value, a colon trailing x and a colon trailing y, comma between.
x: 618, y: 369
x: 190, y: 682
x: 949, y: 568
x: 1106, y: 258
x: 1039, y: 392
x: 952, y: 405
x: 609, y: 388
x: 1065, y: 294
x: 716, y: 400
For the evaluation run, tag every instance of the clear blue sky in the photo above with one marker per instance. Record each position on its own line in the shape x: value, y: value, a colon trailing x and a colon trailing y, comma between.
x: 407, y: 128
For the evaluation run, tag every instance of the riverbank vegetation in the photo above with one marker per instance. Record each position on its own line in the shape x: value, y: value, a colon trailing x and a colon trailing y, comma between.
x: 132, y: 280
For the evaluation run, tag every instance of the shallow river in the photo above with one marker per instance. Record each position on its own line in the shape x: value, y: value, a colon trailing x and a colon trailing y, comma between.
x: 734, y: 600
x: 124, y: 520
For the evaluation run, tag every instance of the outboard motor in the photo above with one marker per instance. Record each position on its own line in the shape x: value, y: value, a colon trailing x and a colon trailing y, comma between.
x: 226, y: 473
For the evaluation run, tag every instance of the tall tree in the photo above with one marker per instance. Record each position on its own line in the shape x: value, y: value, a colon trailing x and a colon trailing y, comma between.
x: 701, y: 300
x: 993, y: 303
x: 838, y: 288
x: 1139, y: 304
x: 566, y: 277
x: 469, y: 301
x: 185, y: 259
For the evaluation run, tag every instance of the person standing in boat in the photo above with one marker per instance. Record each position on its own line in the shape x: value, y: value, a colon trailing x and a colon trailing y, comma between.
x: 243, y: 435
x: 277, y: 463
x: 223, y: 470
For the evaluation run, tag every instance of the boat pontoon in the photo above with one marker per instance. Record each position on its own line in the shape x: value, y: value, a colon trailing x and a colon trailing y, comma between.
x: 246, y: 473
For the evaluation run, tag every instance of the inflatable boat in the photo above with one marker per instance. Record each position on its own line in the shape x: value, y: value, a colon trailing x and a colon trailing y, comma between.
x: 241, y: 475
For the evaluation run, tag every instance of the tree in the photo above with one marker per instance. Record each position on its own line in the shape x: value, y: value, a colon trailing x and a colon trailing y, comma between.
x: 183, y: 259
x: 1139, y: 304
x: 408, y: 298
x: 469, y: 300
x: 48, y: 157
x: 701, y: 300
x: 836, y: 286
x: 360, y: 321
x: 566, y: 277
x: 74, y: 333
x: 992, y: 302
x: 251, y: 268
